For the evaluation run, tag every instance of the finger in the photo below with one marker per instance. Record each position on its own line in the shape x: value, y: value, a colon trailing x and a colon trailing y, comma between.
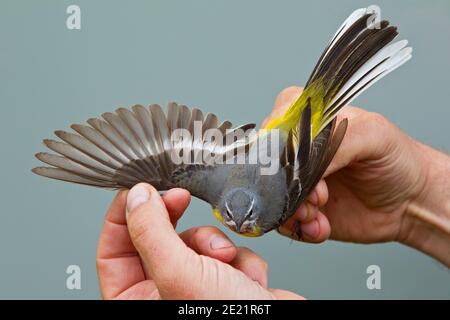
x: 251, y: 264
x: 118, y: 264
x: 319, y: 195
x: 287, y: 96
x: 285, y: 295
x: 114, y: 240
x: 368, y: 136
x: 211, y: 242
x: 284, y: 99
x: 315, y: 231
x: 305, y: 212
x: 176, y: 201
x: 116, y: 211
x: 166, y: 258
x: 309, y: 209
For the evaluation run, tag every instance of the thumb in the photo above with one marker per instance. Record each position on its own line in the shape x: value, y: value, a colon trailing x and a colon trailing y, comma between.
x: 282, y: 102
x: 155, y: 239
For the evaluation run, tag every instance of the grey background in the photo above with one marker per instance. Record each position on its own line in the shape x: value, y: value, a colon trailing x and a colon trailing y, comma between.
x: 228, y: 57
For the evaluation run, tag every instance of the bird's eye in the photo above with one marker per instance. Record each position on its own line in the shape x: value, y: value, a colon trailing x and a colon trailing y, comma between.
x: 249, y: 214
x: 229, y: 214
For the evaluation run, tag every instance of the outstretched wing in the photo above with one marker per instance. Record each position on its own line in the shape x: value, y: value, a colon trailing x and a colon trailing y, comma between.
x: 126, y: 147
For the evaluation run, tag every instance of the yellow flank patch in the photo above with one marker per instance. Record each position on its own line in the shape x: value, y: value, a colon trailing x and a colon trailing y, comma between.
x: 217, y: 214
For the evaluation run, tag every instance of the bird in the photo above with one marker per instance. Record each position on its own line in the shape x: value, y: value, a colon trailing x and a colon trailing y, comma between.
x: 167, y: 150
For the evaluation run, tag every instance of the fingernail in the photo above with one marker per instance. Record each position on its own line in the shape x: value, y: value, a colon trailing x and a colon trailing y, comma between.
x: 311, y: 229
x: 220, y: 243
x: 137, y: 196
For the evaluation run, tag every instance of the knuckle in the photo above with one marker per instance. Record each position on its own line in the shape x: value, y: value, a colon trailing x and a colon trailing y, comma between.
x: 367, y: 123
x: 288, y: 93
x: 377, y: 120
x: 290, y: 90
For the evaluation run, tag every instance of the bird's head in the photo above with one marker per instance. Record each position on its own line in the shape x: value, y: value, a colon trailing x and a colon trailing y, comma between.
x: 240, y: 209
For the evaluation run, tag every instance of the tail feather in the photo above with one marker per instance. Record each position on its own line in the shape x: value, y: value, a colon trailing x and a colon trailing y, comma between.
x: 351, y: 28
x: 349, y: 22
x: 368, y: 75
x: 360, y: 53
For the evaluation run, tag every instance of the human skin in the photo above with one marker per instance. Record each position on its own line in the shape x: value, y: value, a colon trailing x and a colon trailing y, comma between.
x: 381, y: 186
x: 140, y: 256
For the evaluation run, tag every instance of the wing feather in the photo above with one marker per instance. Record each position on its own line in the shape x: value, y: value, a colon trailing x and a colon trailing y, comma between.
x: 131, y: 146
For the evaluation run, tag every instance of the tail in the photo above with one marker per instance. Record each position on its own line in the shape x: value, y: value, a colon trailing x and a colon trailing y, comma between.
x: 360, y: 53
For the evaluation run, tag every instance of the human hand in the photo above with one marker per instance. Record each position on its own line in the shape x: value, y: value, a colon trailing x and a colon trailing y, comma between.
x: 378, y: 187
x: 140, y: 256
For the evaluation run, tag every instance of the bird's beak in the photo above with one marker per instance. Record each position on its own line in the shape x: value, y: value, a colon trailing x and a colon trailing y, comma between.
x: 239, y: 227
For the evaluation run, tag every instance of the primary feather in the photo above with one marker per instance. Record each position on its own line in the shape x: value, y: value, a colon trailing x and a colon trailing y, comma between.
x: 131, y: 146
